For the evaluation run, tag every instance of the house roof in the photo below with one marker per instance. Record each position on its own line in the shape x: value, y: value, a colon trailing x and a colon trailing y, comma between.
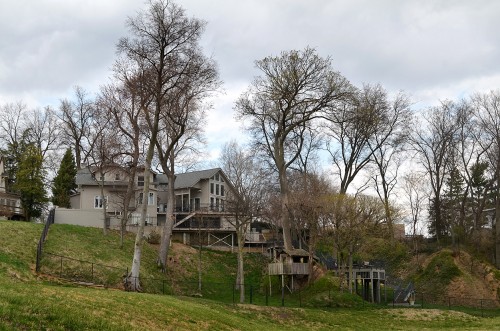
x: 183, y: 180
x: 190, y: 179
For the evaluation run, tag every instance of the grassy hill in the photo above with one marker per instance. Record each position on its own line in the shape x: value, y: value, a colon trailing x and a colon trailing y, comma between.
x: 28, y: 301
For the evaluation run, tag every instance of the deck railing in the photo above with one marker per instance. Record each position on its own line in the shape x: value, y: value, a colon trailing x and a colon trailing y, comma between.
x: 288, y: 268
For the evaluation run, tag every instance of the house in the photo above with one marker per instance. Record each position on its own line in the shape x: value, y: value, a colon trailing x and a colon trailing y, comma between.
x: 200, y: 207
x: 10, y: 202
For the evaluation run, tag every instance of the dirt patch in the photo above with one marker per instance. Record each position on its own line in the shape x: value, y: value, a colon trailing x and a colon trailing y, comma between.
x: 427, y: 314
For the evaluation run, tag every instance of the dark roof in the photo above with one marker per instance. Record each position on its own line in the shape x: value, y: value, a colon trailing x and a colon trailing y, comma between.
x: 184, y: 180
x: 190, y: 179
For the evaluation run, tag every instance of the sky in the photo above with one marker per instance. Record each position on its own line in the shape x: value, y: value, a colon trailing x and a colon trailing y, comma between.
x: 432, y: 50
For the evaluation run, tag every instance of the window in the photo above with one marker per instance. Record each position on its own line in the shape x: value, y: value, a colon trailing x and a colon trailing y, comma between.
x: 151, y: 199
x: 117, y: 176
x: 139, y: 200
x: 98, y: 201
x: 212, y: 188
x: 211, y: 203
x: 217, y: 176
x: 217, y: 189
x: 222, y: 190
x: 140, y: 181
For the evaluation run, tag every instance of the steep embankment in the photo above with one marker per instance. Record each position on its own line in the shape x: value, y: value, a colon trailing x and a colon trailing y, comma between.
x: 459, y: 276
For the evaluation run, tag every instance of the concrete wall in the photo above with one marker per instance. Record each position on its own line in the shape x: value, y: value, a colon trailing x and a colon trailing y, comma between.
x: 83, y: 217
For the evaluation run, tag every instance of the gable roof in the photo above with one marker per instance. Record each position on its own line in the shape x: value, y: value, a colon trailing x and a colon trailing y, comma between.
x: 190, y: 179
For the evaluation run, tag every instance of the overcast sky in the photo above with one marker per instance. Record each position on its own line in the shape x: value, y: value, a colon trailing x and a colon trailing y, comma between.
x: 433, y: 50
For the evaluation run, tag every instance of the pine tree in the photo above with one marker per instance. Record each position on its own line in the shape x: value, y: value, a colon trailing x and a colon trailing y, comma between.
x: 64, y: 182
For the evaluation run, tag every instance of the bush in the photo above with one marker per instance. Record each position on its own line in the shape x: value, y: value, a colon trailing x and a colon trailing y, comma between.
x: 154, y: 238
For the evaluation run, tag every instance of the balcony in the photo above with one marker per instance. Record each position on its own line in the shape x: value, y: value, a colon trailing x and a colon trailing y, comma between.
x: 187, y: 208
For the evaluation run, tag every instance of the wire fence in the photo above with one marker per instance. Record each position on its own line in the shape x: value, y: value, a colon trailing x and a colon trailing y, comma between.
x: 91, y: 273
x: 43, y: 236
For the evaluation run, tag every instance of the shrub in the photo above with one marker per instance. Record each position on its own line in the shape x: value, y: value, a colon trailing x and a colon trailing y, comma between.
x: 154, y: 238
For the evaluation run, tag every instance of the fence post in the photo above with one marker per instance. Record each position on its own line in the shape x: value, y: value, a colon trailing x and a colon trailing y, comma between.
x: 267, y: 298
x: 282, y: 296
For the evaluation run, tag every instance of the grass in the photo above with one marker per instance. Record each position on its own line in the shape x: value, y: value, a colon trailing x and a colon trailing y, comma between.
x: 29, y: 302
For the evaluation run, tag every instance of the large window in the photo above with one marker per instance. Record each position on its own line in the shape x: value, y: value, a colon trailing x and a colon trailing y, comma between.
x: 151, y: 199
x: 140, y: 181
x: 212, y: 188
x: 98, y: 201
x: 217, y: 189
x: 222, y: 190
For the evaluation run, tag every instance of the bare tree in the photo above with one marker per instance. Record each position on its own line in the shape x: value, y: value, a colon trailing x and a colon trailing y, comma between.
x: 432, y: 140
x: 124, y: 102
x: 180, y: 127
x: 162, y: 45
x: 353, y: 219
x: 104, y: 148
x: 387, y: 145
x: 487, y: 108
x: 249, y: 182
x: 77, y: 117
x: 295, y: 89
x: 309, y: 214
x: 415, y: 190
x: 363, y: 131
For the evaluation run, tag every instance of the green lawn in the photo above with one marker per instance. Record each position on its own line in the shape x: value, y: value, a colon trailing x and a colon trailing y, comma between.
x: 30, y: 302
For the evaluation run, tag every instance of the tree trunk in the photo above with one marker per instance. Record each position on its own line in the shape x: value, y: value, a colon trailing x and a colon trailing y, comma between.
x: 350, y: 268
x: 169, y: 224
x: 285, y: 219
x: 104, y: 207
x: 133, y: 279
x: 127, y: 199
x: 241, y: 273
x: 497, y: 223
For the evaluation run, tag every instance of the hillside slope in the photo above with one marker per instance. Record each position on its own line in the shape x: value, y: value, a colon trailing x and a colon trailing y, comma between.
x: 447, y: 275
x: 30, y: 302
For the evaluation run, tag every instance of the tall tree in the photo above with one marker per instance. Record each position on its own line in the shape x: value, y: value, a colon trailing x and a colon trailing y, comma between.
x: 64, y: 182
x: 124, y: 101
x: 295, y: 89
x: 162, y: 45
x: 77, y: 116
x: 415, y: 190
x: 487, y: 108
x: 249, y: 182
x: 181, y: 125
x: 29, y: 182
x: 432, y: 140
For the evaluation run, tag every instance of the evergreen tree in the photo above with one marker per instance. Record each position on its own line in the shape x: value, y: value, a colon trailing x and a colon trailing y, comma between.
x: 29, y: 182
x: 453, y: 204
x: 64, y: 182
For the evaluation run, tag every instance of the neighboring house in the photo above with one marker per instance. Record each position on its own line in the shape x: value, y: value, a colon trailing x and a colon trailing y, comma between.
x: 200, y: 203
x: 200, y: 206
x: 10, y: 203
